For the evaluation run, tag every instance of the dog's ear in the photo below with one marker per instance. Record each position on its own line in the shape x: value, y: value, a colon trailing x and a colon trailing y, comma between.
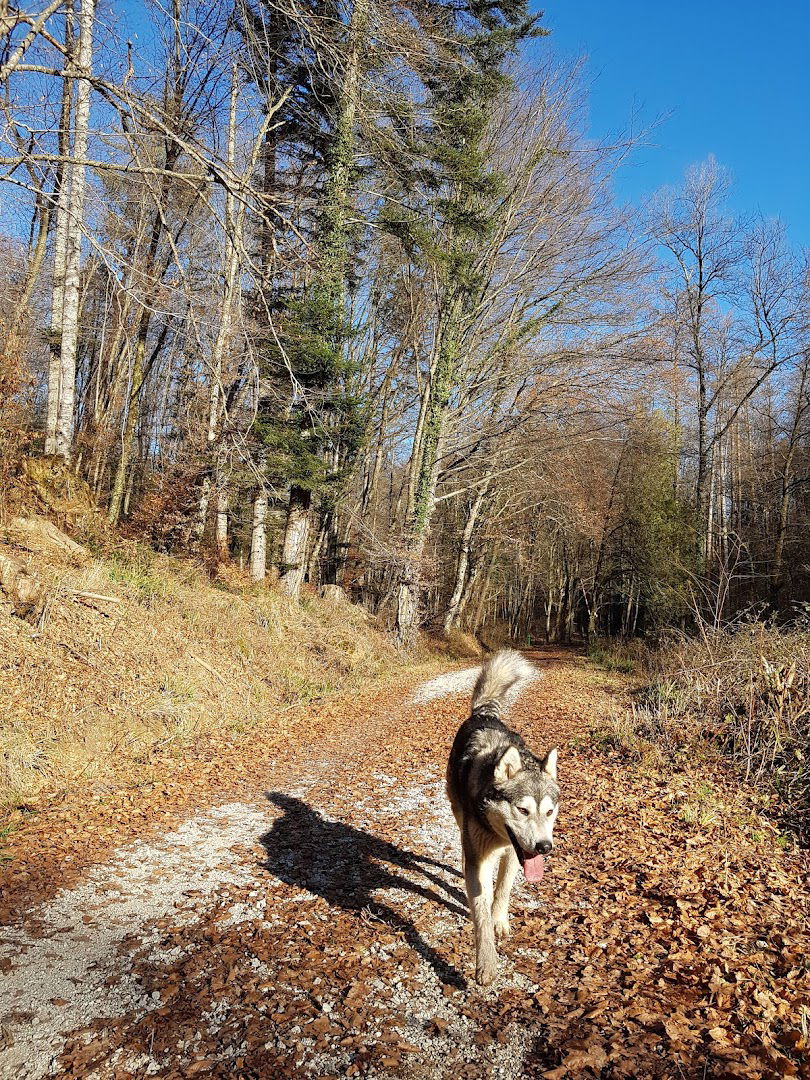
x: 550, y: 764
x: 509, y: 765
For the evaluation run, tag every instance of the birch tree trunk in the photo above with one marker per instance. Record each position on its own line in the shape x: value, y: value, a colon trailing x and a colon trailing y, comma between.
x: 222, y: 526
x: 60, y: 243
x: 258, y: 536
x: 73, y: 249
x: 296, y: 541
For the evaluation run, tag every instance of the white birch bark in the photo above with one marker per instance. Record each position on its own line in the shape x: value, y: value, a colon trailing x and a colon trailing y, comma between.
x: 60, y: 241
x: 78, y: 178
x: 296, y: 542
x: 222, y: 525
x: 57, y: 309
x: 258, y: 537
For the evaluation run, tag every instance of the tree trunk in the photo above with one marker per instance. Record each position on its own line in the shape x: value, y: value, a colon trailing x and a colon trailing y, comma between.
x: 407, y: 608
x: 35, y: 266
x: 215, y: 384
x: 296, y: 541
x: 78, y: 176
x: 475, y: 625
x: 258, y: 536
x: 60, y: 244
x: 329, y: 285
x: 233, y: 228
x: 451, y: 615
x: 198, y: 528
x: 130, y: 424
x: 222, y: 545
x: 423, y: 490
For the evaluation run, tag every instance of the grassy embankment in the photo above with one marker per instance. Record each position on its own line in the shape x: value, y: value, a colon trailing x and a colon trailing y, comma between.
x: 136, y: 654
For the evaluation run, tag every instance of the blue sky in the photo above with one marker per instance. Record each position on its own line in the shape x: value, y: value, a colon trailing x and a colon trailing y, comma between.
x: 723, y: 77
x: 727, y: 78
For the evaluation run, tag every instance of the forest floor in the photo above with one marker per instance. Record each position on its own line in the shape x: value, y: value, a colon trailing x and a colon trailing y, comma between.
x: 264, y: 909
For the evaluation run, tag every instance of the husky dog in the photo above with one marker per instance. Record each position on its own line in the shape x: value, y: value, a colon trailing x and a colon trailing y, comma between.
x: 504, y: 800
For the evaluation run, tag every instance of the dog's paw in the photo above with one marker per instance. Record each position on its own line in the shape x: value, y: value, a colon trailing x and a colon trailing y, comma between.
x: 485, y: 973
x: 501, y: 928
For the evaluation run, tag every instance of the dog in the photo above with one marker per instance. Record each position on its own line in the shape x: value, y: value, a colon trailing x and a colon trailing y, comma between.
x: 505, y: 802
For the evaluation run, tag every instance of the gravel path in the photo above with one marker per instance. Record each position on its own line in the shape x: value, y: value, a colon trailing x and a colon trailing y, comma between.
x: 65, y: 970
x: 460, y: 682
x: 454, y: 682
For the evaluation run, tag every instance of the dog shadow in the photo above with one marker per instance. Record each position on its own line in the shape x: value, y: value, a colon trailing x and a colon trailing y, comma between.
x: 350, y: 868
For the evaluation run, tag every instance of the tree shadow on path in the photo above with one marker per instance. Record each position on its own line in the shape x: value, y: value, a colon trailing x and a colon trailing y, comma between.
x: 349, y: 868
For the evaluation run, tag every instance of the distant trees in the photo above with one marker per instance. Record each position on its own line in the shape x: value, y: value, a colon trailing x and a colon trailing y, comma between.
x: 738, y: 325
x: 463, y: 193
x: 739, y: 315
x: 340, y: 292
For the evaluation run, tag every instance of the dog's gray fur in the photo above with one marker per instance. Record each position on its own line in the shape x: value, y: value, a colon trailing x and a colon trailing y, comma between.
x: 504, y: 800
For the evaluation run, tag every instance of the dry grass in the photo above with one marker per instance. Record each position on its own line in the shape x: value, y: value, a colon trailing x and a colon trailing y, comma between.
x: 15, y: 409
x: 626, y: 657
x: 743, y: 693
x: 458, y: 644
x: 100, y: 685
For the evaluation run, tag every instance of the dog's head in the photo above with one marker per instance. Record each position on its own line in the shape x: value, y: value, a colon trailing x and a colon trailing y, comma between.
x: 523, y: 802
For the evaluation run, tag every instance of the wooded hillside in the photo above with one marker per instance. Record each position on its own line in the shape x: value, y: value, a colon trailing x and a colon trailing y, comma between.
x: 340, y: 292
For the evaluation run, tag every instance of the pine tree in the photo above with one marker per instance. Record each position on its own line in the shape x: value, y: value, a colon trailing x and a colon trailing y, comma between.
x: 309, y: 422
x: 467, y: 78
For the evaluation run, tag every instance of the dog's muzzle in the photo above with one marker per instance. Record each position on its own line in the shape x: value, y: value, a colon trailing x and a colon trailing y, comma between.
x: 533, y: 864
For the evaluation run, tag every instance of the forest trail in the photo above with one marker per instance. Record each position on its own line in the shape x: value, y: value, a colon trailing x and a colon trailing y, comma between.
x: 314, y: 923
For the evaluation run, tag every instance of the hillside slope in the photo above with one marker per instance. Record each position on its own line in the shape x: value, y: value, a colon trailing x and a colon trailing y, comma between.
x: 135, y: 654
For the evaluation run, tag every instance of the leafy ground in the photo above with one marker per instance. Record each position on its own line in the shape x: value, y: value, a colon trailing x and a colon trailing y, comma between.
x: 287, y: 904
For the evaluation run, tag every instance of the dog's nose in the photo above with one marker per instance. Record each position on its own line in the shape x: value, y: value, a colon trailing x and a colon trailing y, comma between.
x: 543, y: 846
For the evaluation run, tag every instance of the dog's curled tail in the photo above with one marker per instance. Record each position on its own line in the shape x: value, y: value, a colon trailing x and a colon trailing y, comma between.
x: 498, y: 675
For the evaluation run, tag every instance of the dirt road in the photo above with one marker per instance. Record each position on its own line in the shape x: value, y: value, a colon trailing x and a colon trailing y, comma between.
x: 315, y: 924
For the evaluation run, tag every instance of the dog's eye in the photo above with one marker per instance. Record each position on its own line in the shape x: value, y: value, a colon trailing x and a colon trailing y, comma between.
x: 523, y: 810
x: 550, y: 812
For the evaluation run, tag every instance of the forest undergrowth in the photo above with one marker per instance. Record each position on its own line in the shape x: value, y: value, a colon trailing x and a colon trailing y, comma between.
x: 738, y: 694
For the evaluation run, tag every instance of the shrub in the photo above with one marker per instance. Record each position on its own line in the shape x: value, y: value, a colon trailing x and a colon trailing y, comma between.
x: 746, y: 689
x: 627, y: 657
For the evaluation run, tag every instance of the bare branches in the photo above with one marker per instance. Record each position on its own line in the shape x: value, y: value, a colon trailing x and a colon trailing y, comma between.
x: 35, y: 24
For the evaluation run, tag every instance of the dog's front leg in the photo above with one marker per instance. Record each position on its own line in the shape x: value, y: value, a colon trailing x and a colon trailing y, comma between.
x: 507, y: 871
x: 478, y: 873
x: 457, y: 814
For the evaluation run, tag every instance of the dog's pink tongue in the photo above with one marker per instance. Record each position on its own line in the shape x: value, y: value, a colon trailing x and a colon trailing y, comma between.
x: 533, y: 867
